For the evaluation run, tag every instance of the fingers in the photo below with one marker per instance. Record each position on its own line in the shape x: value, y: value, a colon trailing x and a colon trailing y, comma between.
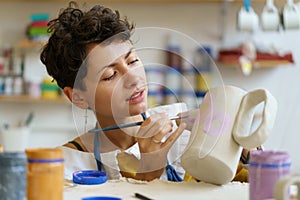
x: 158, y: 126
x: 150, y: 136
x: 166, y: 128
x: 172, y: 138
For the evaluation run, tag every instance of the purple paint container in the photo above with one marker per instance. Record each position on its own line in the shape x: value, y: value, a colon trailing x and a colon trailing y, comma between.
x: 265, y: 169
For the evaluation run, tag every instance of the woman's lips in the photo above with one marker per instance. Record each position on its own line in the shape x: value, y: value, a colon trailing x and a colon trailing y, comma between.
x: 137, y: 97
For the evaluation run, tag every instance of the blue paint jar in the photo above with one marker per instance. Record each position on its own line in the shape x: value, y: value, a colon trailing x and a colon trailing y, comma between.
x: 13, y: 181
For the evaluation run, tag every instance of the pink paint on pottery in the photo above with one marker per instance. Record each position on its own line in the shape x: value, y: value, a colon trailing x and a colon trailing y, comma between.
x: 265, y: 169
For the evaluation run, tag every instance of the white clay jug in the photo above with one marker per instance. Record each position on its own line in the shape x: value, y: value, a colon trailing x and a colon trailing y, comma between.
x: 221, y: 130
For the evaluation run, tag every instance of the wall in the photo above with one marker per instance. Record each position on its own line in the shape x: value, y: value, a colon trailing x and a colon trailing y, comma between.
x: 282, y: 82
x: 203, y: 23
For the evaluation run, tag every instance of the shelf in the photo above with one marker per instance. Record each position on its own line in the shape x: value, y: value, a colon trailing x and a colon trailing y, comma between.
x: 10, y: 75
x: 231, y: 57
x: 29, y: 99
x: 28, y: 44
x: 258, y: 64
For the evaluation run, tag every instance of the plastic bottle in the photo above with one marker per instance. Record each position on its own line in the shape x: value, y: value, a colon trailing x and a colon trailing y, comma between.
x: 1, y: 85
x: 18, y: 86
x: 8, y: 85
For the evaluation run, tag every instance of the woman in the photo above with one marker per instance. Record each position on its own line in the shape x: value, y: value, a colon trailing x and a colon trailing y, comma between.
x: 91, y: 57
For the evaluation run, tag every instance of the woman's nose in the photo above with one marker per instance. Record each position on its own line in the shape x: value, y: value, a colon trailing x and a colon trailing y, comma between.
x: 131, y: 78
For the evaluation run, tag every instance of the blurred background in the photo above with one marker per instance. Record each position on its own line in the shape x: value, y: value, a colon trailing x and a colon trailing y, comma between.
x: 204, y: 33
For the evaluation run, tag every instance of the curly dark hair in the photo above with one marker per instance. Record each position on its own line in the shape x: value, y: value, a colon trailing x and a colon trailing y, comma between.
x: 71, y: 32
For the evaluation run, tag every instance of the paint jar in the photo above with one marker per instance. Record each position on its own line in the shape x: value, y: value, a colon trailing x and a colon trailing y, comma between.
x: 173, y: 79
x: 204, y: 69
x: 50, y: 89
x: 265, y: 169
x: 45, y: 175
x: 189, y: 98
x: 188, y: 79
x: 202, y: 57
x: 34, y: 89
x: 171, y: 97
x: 13, y: 175
x: 155, y: 78
x: 155, y: 98
x: 174, y: 56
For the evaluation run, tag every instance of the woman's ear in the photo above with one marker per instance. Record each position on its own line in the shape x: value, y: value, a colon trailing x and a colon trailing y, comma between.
x: 76, y: 97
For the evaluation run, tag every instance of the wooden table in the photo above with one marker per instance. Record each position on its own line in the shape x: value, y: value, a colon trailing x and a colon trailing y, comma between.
x: 158, y: 189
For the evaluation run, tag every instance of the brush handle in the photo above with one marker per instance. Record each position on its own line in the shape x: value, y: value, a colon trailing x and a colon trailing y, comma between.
x: 125, y: 125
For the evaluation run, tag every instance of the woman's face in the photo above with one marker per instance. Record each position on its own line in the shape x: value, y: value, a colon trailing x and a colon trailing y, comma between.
x: 116, y: 83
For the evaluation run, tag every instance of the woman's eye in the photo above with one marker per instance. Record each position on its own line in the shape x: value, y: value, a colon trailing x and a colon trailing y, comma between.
x: 132, y: 62
x: 110, y: 77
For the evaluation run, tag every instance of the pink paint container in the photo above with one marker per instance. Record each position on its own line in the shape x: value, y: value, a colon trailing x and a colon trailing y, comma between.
x: 265, y: 169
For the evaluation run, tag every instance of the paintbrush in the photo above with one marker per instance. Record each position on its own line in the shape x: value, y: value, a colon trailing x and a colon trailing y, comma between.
x: 128, y: 125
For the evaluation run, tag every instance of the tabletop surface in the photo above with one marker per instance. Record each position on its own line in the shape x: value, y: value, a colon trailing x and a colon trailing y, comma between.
x: 158, y: 189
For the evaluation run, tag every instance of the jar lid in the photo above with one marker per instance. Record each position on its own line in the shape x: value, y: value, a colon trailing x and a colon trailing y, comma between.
x: 101, y: 198
x: 89, y: 177
x: 44, y: 153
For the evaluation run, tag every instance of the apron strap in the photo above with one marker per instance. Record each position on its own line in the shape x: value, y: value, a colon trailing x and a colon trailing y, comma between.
x: 97, y: 151
x: 172, y: 174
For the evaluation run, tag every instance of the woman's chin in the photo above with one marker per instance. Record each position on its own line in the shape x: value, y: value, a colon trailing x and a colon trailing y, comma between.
x: 136, y: 110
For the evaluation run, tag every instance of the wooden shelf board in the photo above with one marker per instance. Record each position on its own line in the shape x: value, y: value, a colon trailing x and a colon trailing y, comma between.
x: 30, y: 99
x: 259, y: 64
x: 28, y: 44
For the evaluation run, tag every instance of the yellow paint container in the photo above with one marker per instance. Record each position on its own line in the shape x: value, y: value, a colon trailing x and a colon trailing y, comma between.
x: 45, y: 174
x: 50, y: 89
x: 203, y: 81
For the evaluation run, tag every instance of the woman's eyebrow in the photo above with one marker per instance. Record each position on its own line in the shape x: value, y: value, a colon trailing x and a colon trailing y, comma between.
x: 125, y: 57
x: 128, y: 53
x: 114, y: 64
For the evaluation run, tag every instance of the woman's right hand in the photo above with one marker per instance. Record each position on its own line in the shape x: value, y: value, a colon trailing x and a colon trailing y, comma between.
x: 155, y: 138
